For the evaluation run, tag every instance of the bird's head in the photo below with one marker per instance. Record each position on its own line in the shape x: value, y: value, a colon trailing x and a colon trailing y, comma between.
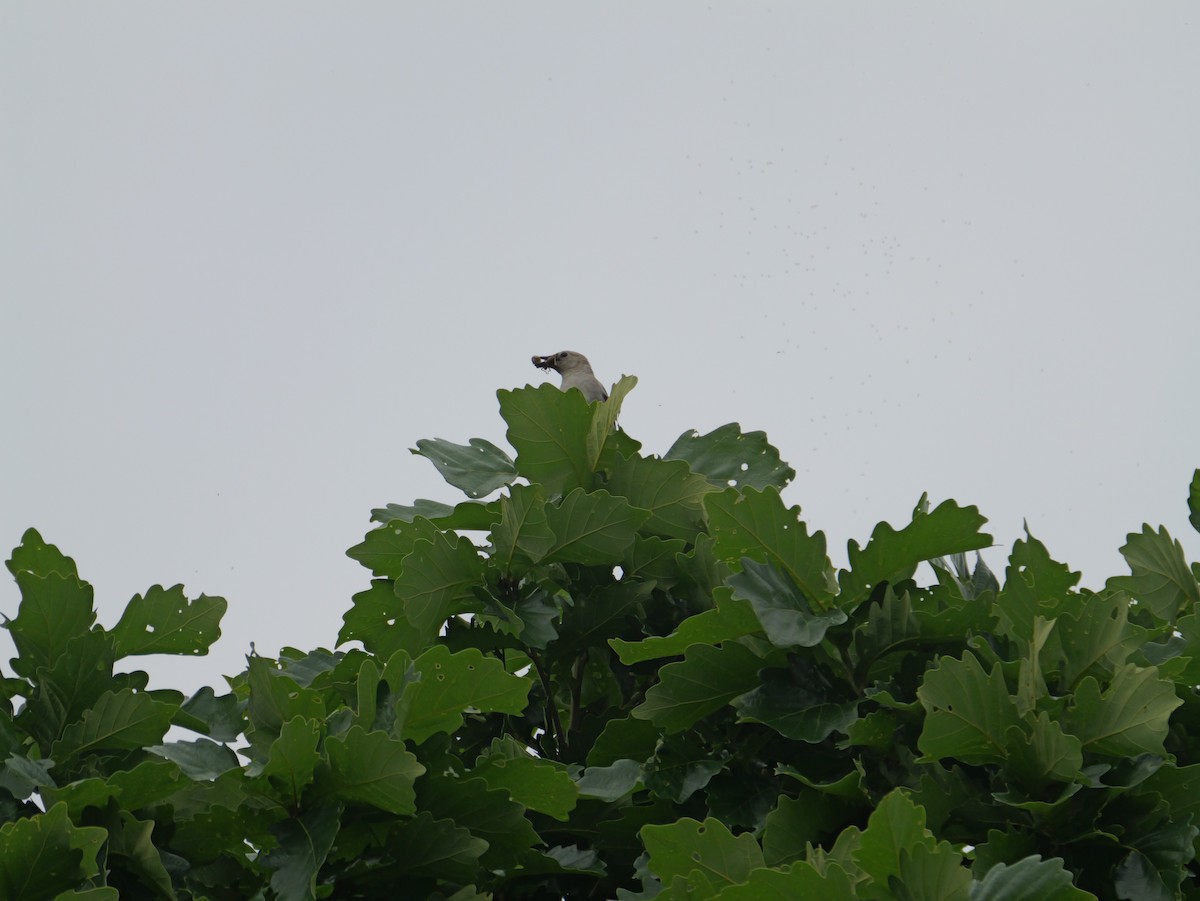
x: 563, y: 362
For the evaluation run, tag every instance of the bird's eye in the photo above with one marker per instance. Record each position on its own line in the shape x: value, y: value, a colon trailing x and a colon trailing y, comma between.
x: 563, y: 354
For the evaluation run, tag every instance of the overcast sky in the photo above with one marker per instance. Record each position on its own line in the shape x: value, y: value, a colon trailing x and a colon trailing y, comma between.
x: 251, y: 253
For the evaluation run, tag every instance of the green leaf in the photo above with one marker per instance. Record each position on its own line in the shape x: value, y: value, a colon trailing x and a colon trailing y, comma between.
x: 384, y: 549
x: 434, y: 511
x: 610, y: 783
x: 131, y: 850
x: 593, y: 529
x: 106, y: 893
x: 1029, y: 879
x: 146, y: 784
x: 781, y: 608
x: 1095, y: 637
x: 523, y: 529
x: 34, y: 555
x: 680, y: 767
x: 371, y: 768
x: 53, y: 610
x: 1179, y: 787
x: 1160, y: 577
x: 799, y: 703
x: 796, y: 822
x: 731, y: 619
x: 623, y: 738
x: 469, y: 515
x: 562, y: 859
x: 1034, y: 585
x: 896, y: 624
x: 800, y: 880
x: 706, y: 679
x: 22, y: 776
x: 541, y: 785
x: 437, y: 581
x: 728, y: 457
x: 896, y: 825
x: 276, y: 698
x: 303, y: 845
x: 377, y: 620
x: 438, y: 848
x: 933, y: 874
x: 476, y: 469
x: 893, y: 556
x: 451, y: 683
x: 603, y: 436
x: 1137, y: 877
x: 538, y: 613
x: 1042, y: 753
x: 489, y: 814
x: 200, y: 759
x: 668, y: 489
x: 43, y: 855
x: 654, y: 559
x: 293, y: 757
x: 75, y: 681
x: 1129, y: 718
x: 125, y: 721
x: 549, y: 429
x: 967, y: 713
x: 221, y: 713
x: 166, y: 622
x: 756, y: 524
x: 1193, y: 502
x: 682, y: 847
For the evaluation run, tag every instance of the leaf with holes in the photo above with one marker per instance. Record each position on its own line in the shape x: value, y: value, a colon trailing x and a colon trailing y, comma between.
x: 686, y: 846
x: 477, y: 469
x: 164, y: 621
x: 35, y: 555
x: 967, y: 712
x: 727, y: 456
x: 452, y: 683
x: 756, y: 524
x: 437, y: 581
x: 383, y: 549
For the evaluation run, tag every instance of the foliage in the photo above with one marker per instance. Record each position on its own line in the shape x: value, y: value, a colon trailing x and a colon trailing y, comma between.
x: 630, y: 677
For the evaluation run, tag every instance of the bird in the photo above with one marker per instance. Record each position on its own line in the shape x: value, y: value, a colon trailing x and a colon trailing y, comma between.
x: 576, y: 372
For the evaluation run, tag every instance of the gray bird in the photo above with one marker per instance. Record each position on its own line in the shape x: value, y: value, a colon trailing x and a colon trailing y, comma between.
x: 576, y: 372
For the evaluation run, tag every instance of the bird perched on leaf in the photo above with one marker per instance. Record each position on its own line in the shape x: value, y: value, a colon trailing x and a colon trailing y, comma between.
x: 576, y: 372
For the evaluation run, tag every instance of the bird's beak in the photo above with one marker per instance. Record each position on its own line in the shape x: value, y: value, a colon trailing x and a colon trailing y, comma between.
x: 544, y: 362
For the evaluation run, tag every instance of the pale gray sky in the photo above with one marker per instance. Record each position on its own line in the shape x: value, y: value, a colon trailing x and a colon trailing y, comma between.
x: 251, y: 253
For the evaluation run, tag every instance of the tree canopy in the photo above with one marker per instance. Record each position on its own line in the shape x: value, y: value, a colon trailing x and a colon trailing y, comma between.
x: 626, y: 676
